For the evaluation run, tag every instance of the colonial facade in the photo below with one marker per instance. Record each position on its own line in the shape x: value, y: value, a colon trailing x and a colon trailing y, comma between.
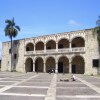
x: 69, y: 52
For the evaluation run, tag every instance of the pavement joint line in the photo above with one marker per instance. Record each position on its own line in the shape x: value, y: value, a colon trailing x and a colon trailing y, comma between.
x: 95, y: 88
x: 8, y: 81
x: 17, y: 94
x: 37, y: 82
x: 51, y: 93
x: 69, y: 83
x: 31, y: 87
x: 4, y: 85
x: 79, y: 96
x: 72, y: 87
x: 17, y: 83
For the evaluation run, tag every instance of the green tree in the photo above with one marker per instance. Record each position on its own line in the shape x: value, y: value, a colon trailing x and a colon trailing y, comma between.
x: 11, y: 30
x: 96, y: 31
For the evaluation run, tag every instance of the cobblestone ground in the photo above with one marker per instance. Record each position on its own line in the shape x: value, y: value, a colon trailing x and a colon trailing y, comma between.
x: 44, y: 86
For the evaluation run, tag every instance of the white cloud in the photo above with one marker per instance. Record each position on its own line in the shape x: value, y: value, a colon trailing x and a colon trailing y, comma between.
x: 73, y: 23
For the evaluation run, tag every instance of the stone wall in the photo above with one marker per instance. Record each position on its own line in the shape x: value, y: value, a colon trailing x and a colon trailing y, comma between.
x: 19, y: 48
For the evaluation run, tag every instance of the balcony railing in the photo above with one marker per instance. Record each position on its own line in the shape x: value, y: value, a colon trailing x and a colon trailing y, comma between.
x: 81, y: 49
x: 53, y: 51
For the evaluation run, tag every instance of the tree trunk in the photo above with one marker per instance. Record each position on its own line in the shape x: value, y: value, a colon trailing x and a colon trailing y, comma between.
x: 11, y: 55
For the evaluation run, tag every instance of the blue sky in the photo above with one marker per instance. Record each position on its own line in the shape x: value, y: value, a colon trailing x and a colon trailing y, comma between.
x: 43, y: 17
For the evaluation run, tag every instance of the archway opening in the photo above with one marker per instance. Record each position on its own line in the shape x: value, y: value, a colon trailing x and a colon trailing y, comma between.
x: 78, y: 42
x: 29, y: 65
x: 40, y: 46
x: 29, y: 47
x: 50, y: 64
x: 39, y: 65
x: 63, y: 43
x: 78, y: 65
x: 51, y: 45
x: 63, y: 65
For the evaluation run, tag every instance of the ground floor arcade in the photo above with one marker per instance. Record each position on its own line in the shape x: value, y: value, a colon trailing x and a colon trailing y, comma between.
x: 61, y: 65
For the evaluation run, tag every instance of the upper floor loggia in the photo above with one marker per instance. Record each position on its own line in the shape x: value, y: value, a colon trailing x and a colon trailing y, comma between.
x: 63, y: 45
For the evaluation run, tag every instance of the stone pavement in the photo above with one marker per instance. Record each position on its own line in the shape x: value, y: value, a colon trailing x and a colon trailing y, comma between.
x: 44, y: 86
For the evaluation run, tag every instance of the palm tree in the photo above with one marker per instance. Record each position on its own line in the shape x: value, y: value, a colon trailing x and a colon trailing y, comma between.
x: 11, y: 30
x: 96, y: 31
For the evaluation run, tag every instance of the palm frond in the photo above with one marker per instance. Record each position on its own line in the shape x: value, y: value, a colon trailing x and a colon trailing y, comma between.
x: 8, y: 21
x: 15, y: 33
x: 11, y: 29
x: 94, y: 31
x: 17, y: 27
x: 98, y: 22
x: 7, y: 26
x: 13, y: 23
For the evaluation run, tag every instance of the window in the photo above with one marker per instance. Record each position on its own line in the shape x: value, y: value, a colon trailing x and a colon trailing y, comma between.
x: 9, y: 51
x: 48, y: 47
x: 27, y: 49
x: 73, y: 45
x: 95, y: 62
x: 60, y: 46
x: 15, y: 56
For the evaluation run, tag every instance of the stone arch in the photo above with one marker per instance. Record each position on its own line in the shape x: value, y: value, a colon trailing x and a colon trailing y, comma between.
x: 39, y: 64
x: 29, y: 46
x: 29, y: 65
x: 50, y: 63
x: 51, y: 44
x: 39, y: 45
x: 63, y: 64
x: 78, y: 64
x: 78, y: 42
x: 63, y: 43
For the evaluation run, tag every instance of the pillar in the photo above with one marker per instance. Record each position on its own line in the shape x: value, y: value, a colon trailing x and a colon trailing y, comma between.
x: 34, y: 48
x: 56, y: 46
x: 70, y: 45
x: 70, y: 67
x: 33, y: 67
x: 44, y: 68
x: 44, y: 47
x: 56, y: 69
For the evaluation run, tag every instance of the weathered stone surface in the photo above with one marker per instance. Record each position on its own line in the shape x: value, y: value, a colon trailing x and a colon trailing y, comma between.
x: 49, y: 58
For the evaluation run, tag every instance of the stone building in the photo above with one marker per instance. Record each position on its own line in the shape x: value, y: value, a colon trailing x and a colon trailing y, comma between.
x: 69, y: 52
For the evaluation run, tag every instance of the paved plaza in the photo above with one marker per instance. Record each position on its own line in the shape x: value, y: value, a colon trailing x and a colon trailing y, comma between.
x: 44, y: 86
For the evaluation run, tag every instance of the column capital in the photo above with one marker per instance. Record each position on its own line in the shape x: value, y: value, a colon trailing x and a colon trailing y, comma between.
x: 56, y: 62
x: 70, y: 62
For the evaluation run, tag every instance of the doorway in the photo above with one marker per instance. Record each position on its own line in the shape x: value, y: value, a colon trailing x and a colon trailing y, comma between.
x: 29, y: 65
x: 73, y: 68
x: 60, y: 67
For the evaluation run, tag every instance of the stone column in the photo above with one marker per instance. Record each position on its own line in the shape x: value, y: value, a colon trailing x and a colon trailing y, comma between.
x: 56, y: 46
x: 70, y: 48
x: 34, y: 48
x: 44, y: 68
x: 70, y: 67
x: 33, y: 67
x: 56, y: 69
x: 44, y: 47
x: 70, y: 45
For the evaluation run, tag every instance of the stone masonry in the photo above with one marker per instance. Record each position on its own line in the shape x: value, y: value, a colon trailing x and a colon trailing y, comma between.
x: 69, y: 52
